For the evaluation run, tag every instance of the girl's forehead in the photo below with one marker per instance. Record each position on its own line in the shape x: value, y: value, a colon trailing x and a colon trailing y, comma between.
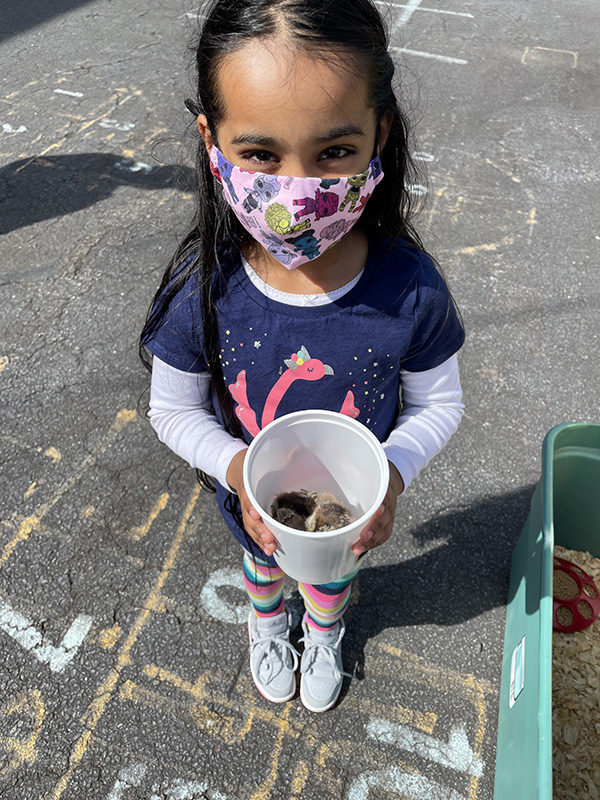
x: 271, y: 83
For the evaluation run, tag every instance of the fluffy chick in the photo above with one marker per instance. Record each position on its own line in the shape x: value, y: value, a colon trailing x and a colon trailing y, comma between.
x: 328, y: 515
x: 292, y: 508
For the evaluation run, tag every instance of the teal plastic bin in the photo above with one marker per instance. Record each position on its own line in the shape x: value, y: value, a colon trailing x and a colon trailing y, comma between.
x: 565, y: 509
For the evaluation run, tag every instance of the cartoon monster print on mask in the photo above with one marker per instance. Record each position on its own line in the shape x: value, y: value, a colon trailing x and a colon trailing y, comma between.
x: 279, y: 219
x: 376, y: 168
x: 355, y: 184
x: 361, y: 206
x: 278, y: 250
x: 327, y: 183
x: 324, y: 204
x: 306, y: 244
x: 225, y: 170
x: 265, y: 189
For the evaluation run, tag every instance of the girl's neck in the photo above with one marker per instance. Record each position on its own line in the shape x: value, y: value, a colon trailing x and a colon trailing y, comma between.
x: 332, y: 270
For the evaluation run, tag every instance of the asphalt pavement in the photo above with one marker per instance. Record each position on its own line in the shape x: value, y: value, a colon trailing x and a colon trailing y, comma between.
x: 123, y: 645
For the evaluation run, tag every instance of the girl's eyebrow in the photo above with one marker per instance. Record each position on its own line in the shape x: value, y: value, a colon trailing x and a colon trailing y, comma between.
x: 250, y: 138
x: 340, y: 133
x: 268, y: 141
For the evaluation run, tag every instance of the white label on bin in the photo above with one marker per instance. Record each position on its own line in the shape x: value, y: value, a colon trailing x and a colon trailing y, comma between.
x: 517, y: 672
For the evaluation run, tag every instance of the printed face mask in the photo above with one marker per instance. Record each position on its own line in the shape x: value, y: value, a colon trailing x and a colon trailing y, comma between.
x: 296, y: 219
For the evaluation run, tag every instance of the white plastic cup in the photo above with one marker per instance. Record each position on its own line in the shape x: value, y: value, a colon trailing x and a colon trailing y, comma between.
x: 319, y: 451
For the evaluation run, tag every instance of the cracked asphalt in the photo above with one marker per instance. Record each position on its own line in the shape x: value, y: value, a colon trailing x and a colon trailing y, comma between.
x: 123, y: 648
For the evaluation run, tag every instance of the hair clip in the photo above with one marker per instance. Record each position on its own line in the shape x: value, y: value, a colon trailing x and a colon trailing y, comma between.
x: 192, y: 106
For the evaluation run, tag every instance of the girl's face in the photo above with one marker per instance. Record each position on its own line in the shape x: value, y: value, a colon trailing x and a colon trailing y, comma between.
x: 288, y: 112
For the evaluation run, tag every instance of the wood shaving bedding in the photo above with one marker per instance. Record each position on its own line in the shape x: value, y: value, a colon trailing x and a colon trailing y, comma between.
x: 576, y: 701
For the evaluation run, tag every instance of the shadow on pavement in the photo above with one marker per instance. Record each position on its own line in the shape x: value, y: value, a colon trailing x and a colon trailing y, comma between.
x: 19, y: 17
x: 464, y: 576
x: 41, y: 188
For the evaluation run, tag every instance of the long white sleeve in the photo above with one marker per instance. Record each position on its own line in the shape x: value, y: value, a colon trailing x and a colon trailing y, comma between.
x: 431, y: 410
x: 180, y: 414
x: 180, y: 402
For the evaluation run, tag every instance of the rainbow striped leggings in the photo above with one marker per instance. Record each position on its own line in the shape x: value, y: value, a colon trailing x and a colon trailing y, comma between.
x: 325, y: 604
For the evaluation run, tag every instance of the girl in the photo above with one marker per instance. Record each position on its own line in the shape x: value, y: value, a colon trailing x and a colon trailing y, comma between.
x: 302, y: 284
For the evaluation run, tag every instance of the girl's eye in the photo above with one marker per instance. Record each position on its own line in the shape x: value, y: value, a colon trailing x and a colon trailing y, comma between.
x: 259, y: 157
x: 335, y: 153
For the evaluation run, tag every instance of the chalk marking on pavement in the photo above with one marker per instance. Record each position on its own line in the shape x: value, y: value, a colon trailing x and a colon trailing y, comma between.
x: 106, y: 690
x: 108, y: 637
x: 24, y: 632
x: 70, y: 94
x: 530, y: 51
x: 421, y: 8
x: 299, y: 780
x: 417, y: 189
x: 32, y: 487
x: 6, y: 128
x: 423, y: 54
x: 130, y: 776
x: 32, y: 523
x: 22, y: 751
x: 263, y: 792
x: 182, y: 790
x: 532, y: 222
x: 423, y: 720
x: 394, y: 779
x: 464, y: 685
x: 119, y: 126
x: 355, y: 753
x: 82, y: 128
x: 53, y: 453
x: 215, y: 605
x: 487, y: 247
x: 456, y: 753
x: 503, y: 170
x: 135, y: 534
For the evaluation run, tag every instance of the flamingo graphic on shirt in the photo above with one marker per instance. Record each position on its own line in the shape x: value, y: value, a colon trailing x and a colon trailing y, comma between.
x: 300, y: 366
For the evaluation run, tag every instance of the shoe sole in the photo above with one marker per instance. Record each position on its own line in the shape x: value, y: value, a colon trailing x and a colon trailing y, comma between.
x: 256, y: 683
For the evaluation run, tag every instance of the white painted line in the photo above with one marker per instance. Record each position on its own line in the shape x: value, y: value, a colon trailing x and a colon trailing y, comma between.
x: 447, y: 59
x: 27, y: 635
x: 71, y: 94
x: 430, y: 10
x: 456, y: 753
x: 419, y: 155
x: 409, y: 10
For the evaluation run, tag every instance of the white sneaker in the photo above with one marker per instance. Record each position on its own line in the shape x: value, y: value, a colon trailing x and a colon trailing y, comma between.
x: 321, y: 667
x: 273, y: 660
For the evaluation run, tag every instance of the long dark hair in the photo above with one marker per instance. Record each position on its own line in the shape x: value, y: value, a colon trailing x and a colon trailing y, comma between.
x: 351, y: 32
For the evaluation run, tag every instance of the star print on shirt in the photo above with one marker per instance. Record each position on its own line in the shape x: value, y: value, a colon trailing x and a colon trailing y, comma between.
x: 257, y: 344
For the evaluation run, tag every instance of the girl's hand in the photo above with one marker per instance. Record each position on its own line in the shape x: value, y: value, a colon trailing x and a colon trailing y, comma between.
x: 379, y: 528
x: 253, y: 523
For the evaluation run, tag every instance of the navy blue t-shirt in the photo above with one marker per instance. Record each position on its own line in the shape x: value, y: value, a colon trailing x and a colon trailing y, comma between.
x: 343, y: 356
